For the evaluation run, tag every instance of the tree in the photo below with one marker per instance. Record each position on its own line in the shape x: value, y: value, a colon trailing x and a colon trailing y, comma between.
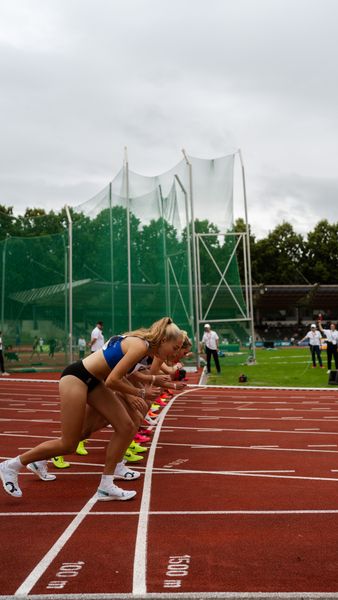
x: 320, y: 264
x: 278, y: 259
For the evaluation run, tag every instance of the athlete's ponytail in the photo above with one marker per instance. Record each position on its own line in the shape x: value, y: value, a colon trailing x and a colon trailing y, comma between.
x: 164, y: 328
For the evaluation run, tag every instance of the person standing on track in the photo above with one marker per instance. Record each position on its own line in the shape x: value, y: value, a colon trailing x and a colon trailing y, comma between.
x: 331, y: 344
x: 97, y: 337
x: 210, y: 343
x: 99, y: 380
x: 315, y: 338
x: 2, y: 365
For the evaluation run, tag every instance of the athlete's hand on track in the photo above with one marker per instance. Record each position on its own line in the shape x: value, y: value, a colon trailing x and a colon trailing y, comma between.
x: 152, y: 392
x: 161, y: 380
x: 139, y: 403
x: 177, y: 385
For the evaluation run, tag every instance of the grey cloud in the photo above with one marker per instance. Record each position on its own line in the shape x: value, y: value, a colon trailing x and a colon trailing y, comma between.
x: 81, y: 80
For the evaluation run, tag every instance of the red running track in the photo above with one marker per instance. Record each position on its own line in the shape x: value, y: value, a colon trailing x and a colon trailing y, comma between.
x: 238, y: 499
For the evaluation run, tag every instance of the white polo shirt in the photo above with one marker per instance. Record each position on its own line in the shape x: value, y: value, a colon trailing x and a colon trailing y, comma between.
x: 331, y: 336
x: 314, y: 337
x: 210, y: 339
x: 98, y: 336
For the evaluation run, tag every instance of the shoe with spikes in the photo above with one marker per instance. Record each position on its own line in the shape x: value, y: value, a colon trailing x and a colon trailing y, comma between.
x: 114, y: 493
x: 123, y: 472
x: 9, y: 479
x: 81, y: 448
x: 129, y: 456
x: 135, y: 447
x: 40, y: 469
x: 60, y: 462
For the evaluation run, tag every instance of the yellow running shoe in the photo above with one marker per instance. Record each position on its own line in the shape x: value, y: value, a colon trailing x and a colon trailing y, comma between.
x: 135, y: 447
x: 131, y: 457
x: 60, y: 462
x: 81, y: 448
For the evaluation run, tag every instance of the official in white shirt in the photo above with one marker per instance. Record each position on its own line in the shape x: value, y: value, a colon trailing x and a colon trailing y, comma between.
x: 210, y: 343
x: 315, y: 339
x: 331, y: 344
x: 97, y: 338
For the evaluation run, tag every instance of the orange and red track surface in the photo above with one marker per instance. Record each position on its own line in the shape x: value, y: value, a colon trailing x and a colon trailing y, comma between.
x: 238, y: 499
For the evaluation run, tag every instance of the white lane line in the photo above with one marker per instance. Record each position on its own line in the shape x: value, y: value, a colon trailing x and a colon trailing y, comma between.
x: 44, y: 563
x: 272, y: 448
x: 260, y: 446
x: 322, y: 445
x: 206, y: 429
x: 248, y: 474
x: 307, y: 429
x: 140, y: 556
x: 319, y: 511
x: 18, y: 432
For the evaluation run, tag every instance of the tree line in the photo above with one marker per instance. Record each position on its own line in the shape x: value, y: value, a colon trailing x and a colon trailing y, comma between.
x: 283, y: 257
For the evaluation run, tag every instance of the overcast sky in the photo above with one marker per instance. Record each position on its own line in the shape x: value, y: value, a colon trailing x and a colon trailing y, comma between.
x: 81, y: 79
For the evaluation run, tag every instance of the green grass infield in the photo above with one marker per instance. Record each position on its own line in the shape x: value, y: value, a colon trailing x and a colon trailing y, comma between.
x: 278, y: 367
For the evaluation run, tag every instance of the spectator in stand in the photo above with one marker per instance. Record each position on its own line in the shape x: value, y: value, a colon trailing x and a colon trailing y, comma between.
x: 314, y: 337
x: 331, y: 344
x: 36, y: 347
x: 52, y: 346
x: 97, y: 338
x: 210, y: 343
x: 81, y: 344
x: 2, y: 366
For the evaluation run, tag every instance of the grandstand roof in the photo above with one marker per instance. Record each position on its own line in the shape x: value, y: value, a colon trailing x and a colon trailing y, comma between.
x: 283, y: 296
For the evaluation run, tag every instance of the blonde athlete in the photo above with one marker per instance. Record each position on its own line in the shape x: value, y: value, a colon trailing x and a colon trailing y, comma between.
x: 95, y: 381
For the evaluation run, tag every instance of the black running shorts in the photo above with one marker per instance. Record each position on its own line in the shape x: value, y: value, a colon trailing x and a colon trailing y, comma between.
x: 79, y: 370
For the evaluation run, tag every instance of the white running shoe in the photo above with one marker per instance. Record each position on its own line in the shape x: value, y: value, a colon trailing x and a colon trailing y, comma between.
x: 9, y: 479
x: 114, y: 493
x: 40, y: 469
x: 150, y: 421
x: 122, y: 472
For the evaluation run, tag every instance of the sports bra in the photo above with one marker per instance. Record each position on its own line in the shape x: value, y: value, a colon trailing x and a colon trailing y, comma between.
x: 112, y: 351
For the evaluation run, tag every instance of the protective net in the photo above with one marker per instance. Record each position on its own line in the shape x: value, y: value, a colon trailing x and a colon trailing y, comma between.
x: 141, y: 248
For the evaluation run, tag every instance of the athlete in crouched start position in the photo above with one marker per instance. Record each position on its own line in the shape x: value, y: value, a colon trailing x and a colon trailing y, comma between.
x: 99, y: 380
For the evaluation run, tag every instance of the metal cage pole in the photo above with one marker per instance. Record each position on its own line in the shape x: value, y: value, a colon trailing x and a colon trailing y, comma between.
x: 3, y: 282
x: 191, y: 302
x: 65, y: 280
x: 111, y: 260
x: 165, y: 256
x: 193, y: 235
x: 251, y: 314
x: 126, y: 166
x: 70, y: 284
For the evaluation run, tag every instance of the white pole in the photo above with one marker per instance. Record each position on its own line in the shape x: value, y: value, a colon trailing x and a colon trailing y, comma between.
x: 111, y: 260
x: 128, y: 236
x: 3, y: 283
x: 251, y: 314
x: 193, y: 235
x: 165, y: 257
x: 191, y: 303
x: 70, y: 274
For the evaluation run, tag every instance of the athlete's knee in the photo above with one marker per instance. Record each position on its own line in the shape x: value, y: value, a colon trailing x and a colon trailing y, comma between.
x: 69, y: 446
x: 127, y: 427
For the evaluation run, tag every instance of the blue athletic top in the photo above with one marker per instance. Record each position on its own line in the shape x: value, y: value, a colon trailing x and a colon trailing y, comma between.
x: 112, y: 351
